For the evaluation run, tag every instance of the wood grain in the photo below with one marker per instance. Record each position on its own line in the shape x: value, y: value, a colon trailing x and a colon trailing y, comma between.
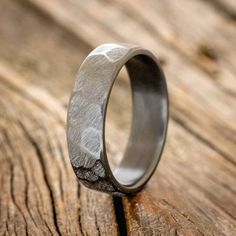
x: 226, y: 7
x: 192, y: 192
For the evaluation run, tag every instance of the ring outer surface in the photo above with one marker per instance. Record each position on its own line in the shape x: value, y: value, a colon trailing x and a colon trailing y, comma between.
x: 87, y: 114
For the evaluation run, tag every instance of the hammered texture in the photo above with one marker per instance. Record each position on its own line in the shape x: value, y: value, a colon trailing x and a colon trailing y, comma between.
x: 86, y: 114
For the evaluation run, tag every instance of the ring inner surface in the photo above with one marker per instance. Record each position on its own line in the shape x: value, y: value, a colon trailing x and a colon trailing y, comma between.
x: 149, y: 122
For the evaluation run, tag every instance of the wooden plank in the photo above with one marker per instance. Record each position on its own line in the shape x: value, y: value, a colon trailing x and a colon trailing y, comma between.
x: 42, y: 188
x: 195, y: 178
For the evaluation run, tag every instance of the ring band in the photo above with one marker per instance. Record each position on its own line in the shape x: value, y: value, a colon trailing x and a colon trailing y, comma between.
x: 87, y: 113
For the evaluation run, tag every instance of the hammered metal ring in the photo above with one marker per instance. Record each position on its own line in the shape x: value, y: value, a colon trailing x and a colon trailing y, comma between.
x: 87, y: 113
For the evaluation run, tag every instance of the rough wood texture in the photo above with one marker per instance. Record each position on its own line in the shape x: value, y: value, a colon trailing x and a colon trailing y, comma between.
x: 42, y: 44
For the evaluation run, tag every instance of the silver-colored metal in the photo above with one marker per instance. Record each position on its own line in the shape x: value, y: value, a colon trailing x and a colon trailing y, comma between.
x: 87, y: 112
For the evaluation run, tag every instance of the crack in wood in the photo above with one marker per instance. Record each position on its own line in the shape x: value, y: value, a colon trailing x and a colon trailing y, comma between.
x: 40, y: 158
x: 96, y: 223
x: 13, y: 196
x: 120, y: 215
x: 79, y: 211
x: 12, y: 184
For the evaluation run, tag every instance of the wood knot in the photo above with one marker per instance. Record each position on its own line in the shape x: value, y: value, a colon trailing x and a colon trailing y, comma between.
x: 208, y: 52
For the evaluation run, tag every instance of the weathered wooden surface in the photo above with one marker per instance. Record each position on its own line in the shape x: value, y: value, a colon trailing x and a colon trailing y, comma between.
x: 42, y: 44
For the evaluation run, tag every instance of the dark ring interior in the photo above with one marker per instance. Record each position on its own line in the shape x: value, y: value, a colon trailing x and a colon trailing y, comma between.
x: 149, y: 122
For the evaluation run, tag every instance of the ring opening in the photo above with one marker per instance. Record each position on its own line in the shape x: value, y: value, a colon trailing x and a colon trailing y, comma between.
x: 149, y: 122
x: 118, y: 119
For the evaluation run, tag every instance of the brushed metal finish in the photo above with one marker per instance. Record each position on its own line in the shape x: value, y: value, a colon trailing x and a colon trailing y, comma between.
x: 87, y: 112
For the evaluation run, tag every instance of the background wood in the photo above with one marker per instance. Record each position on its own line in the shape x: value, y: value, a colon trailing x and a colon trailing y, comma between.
x: 42, y: 44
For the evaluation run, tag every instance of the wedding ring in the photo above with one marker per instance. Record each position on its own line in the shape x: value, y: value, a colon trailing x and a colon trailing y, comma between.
x: 87, y: 113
